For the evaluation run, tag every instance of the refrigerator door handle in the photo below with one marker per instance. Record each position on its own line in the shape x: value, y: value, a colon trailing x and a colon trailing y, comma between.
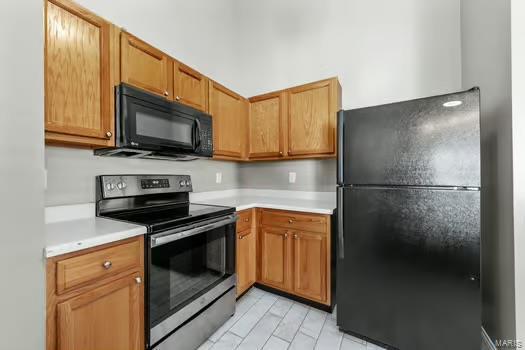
x: 340, y: 221
x: 340, y: 145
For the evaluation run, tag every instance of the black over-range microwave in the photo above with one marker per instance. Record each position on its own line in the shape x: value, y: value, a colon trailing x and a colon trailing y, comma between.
x: 150, y: 126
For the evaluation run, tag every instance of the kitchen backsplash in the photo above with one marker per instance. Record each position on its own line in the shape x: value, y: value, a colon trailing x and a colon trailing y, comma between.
x: 311, y: 175
x: 71, y: 173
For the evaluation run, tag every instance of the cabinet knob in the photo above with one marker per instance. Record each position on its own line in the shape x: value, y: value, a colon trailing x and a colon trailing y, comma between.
x: 138, y: 280
x: 240, y: 237
x: 295, y: 236
x: 290, y: 221
x: 109, y: 134
x: 107, y: 265
x: 281, y: 153
x: 246, y: 220
x: 177, y: 98
x: 286, y: 235
x: 166, y: 93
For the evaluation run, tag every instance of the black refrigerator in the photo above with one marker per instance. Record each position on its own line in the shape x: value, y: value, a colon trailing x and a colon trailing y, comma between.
x: 408, y: 211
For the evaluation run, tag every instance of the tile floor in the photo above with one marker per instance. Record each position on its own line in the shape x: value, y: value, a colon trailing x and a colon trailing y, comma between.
x: 266, y: 321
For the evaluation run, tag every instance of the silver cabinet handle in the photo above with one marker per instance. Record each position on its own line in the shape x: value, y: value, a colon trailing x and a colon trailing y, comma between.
x: 107, y: 264
x: 138, y: 280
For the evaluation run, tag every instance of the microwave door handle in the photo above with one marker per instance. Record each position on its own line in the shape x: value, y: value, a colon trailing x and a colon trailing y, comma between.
x: 198, y: 133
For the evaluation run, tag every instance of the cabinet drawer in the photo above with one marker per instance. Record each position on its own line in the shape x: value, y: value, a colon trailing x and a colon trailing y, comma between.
x: 292, y: 220
x: 79, y: 270
x: 245, y: 220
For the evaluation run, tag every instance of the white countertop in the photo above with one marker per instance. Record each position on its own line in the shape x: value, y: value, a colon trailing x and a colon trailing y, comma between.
x: 311, y: 202
x: 75, y: 227
x: 72, y: 228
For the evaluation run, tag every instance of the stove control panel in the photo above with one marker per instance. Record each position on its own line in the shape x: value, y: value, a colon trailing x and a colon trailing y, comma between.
x: 115, y: 186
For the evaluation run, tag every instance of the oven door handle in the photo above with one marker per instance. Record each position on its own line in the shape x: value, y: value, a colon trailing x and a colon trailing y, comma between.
x: 164, y: 238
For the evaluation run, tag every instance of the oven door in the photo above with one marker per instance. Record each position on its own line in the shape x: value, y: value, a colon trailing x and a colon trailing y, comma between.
x: 150, y: 123
x: 189, y: 268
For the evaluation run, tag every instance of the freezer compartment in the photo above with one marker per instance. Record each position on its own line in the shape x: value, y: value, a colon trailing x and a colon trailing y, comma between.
x: 419, y: 142
x: 409, y: 267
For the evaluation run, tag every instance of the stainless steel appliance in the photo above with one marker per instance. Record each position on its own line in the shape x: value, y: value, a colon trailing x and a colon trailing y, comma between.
x: 150, y: 126
x: 408, y: 269
x: 190, y: 255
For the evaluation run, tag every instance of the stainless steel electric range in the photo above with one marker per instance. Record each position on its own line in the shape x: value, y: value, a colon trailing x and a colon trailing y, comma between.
x: 190, y: 255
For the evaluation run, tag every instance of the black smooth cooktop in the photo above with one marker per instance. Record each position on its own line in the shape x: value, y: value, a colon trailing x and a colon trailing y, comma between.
x: 167, y: 217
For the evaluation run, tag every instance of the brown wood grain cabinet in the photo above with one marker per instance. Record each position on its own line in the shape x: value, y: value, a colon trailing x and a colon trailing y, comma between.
x: 102, y: 307
x: 275, y: 255
x: 190, y: 87
x: 145, y: 66
x: 246, y: 250
x: 228, y: 111
x: 79, y: 54
x: 293, y: 253
x: 295, y: 123
x: 265, y: 126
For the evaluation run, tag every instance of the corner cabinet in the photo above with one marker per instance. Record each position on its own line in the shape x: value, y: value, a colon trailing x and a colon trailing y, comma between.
x: 103, y: 304
x: 229, y: 113
x: 79, y: 76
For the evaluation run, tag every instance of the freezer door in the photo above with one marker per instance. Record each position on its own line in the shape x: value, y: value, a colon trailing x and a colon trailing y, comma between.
x: 418, y: 142
x: 410, y: 273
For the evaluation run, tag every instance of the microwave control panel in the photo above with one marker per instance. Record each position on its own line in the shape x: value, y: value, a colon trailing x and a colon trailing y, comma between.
x: 206, y: 136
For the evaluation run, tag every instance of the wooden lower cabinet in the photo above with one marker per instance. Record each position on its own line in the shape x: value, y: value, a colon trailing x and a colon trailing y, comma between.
x: 106, y: 312
x: 310, y: 265
x: 245, y: 260
x: 275, y: 257
x: 103, y: 318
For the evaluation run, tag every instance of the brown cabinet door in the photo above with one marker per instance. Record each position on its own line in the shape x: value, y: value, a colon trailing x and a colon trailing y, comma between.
x: 78, y: 88
x: 312, y: 118
x: 275, y: 257
x: 108, y: 317
x: 245, y: 260
x: 265, y: 136
x: 144, y: 66
x: 190, y: 87
x: 310, y: 265
x: 226, y: 109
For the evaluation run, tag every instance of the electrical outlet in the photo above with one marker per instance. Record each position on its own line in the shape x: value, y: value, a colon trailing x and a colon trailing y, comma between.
x: 218, y: 178
x: 292, y: 177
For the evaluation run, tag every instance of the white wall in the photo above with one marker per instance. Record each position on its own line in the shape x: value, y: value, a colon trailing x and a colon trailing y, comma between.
x: 198, y: 32
x: 381, y: 50
x: 518, y: 150
x: 486, y: 55
x: 21, y: 176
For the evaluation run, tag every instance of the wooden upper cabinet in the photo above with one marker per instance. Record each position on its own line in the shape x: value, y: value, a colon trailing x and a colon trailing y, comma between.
x: 79, y: 76
x: 144, y: 66
x: 310, y: 265
x: 275, y: 257
x: 312, y: 118
x: 190, y: 87
x: 228, y: 111
x: 103, y: 318
x: 265, y: 122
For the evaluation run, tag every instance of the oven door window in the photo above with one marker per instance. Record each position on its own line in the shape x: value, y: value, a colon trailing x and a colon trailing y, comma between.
x: 161, y: 128
x: 183, y: 270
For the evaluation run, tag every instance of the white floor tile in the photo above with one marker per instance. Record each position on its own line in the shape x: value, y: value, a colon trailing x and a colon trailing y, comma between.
x: 261, y: 332
x: 357, y: 340
x: 313, y: 322
x: 348, y: 344
x: 245, y: 324
x: 206, y: 345
x: 256, y: 292
x: 291, y: 322
x: 281, y: 307
x: 302, y: 342
x: 275, y: 343
x: 330, y: 337
x: 228, y: 341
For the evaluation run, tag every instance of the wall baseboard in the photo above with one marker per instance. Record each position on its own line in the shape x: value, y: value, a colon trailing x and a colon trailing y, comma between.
x: 487, y: 343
